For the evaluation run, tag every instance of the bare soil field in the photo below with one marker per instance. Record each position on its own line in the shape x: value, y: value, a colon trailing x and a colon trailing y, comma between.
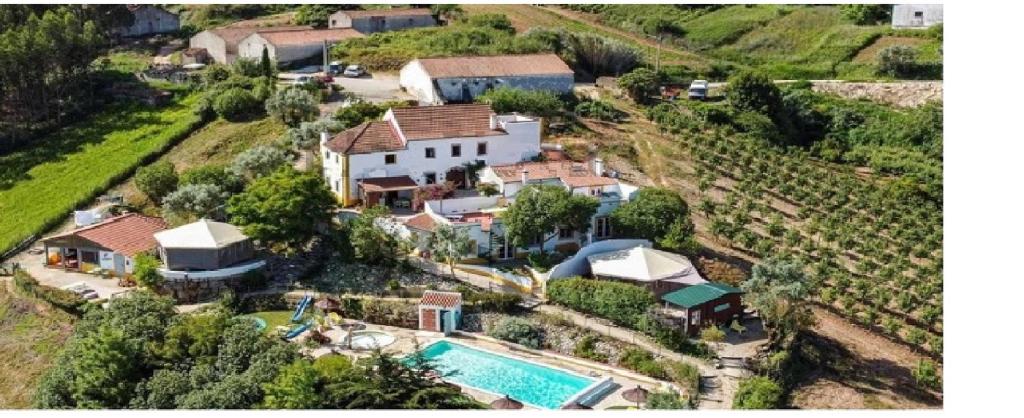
x: 900, y: 93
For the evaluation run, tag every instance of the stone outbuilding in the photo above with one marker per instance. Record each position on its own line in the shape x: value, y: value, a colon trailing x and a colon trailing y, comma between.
x: 149, y: 20
x: 292, y: 45
x: 383, y: 20
x: 440, y: 311
x: 462, y: 79
x: 221, y: 44
x: 916, y: 16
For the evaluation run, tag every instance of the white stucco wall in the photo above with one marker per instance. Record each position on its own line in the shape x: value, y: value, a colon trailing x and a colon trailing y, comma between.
x: 415, y: 80
x: 214, y: 45
x: 903, y: 15
x: 453, y: 89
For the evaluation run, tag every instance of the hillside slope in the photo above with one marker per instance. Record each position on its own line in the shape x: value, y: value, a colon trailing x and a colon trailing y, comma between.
x: 31, y: 335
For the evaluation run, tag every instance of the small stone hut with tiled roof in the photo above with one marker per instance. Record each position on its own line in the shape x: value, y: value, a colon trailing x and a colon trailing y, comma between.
x: 440, y: 311
x: 107, y: 246
x: 462, y: 79
x: 382, y: 20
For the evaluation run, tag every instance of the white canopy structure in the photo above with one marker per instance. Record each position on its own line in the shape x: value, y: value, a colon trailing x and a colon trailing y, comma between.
x: 203, y: 233
x: 203, y: 245
x: 646, y: 265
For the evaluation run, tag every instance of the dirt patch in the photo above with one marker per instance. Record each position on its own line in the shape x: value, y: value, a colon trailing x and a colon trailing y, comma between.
x: 902, y: 94
x: 866, y: 371
x: 869, y: 55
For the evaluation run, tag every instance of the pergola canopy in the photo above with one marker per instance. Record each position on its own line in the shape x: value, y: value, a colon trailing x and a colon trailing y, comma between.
x: 644, y: 264
x: 203, y: 233
x: 388, y: 184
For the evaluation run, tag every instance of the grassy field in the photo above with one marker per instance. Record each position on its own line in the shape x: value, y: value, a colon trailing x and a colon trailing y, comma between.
x: 275, y: 319
x: 31, y: 335
x: 39, y: 186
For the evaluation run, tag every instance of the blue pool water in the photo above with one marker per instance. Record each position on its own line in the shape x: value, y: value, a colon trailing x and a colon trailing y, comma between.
x: 526, y: 382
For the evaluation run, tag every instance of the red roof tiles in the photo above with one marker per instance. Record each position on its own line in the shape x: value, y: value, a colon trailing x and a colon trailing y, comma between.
x: 450, y: 121
x: 384, y: 184
x: 423, y: 222
x: 128, y: 234
x: 443, y: 299
x: 366, y: 138
x: 495, y: 66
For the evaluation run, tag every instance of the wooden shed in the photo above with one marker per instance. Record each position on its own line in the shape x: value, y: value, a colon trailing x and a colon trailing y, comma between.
x: 705, y: 304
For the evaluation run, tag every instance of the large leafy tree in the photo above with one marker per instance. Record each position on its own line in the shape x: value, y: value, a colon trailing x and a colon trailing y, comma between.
x: 651, y: 214
x: 372, y: 244
x: 283, y: 208
x: 259, y: 161
x: 529, y: 102
x: 755, y: 92
x: 779, y: 290
x: 294, y: 388
x: 106, y: 371
x: 640, y: 84
x: 156, y: 180
x: 293, y: 106
x: 540, y: 209
x: 450, y: 244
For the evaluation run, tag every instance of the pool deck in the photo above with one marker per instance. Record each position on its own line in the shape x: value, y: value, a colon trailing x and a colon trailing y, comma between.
x: 406, y: 343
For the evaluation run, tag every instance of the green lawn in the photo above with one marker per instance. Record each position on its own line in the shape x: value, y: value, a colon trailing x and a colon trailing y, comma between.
x: 275, y: 319
x: 31, y: 336
x: 41, y: 185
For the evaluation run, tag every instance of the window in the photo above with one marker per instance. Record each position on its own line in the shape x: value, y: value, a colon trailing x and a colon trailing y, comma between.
x: 602, y: 227
x: 537, y: 240
x: 327, y: 155
x: 456, y: 150
x: 337, y: 188
x: 595, y: 192
x: 390, y: 158
x: 919, y: 14
x: 430, y: 178
x: 695, y: 319
x: 481, y: 148
x: 429, y: 153
x: 722, y: 307
x: 565, y: 233
x: 334, y: 23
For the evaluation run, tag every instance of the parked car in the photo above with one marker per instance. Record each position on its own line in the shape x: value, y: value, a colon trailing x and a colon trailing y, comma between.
x: 302, y: 79
x: 354, y: 71
x: 698, y: 90
x: 334, y: 68
x: 82, y: 289
x: 325, y: 78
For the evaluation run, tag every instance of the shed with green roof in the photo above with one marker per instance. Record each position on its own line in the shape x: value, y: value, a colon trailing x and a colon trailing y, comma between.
x: 705, y: 304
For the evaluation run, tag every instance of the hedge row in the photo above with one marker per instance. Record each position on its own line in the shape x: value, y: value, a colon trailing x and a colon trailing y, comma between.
x: 64, y: 300
x: 622, y: 303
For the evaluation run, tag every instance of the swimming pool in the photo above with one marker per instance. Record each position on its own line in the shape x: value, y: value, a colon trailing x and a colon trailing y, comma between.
x: 531, y: 383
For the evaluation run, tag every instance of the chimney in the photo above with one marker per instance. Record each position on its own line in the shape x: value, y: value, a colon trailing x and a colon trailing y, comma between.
x: 324, y: 137
x: 525, y: 176
x: 599, y: 167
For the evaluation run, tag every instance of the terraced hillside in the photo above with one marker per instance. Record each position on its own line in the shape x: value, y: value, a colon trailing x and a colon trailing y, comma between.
x: 788, y: 42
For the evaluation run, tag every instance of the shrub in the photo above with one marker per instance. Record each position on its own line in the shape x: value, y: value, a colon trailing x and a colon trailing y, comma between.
x: 156, y: 180
x: 307, y: 134
x: 235, y: 104
x: 193, y: 201
x: 260, y: 161
x: 217, y: 175
x: 64, y: 300
x: 643, y: 362
x: 519, y: 331
x: 926, y: 375
x: 586, y: 348
x: 865, y: 14
x: 666, y: 400
x: 145, y: 271
x: 640, y: 84
x: 600, y: 110
x: 757, y: 393
x: 487, y: 189
x: 621, y: 303
x: 712, y: 334
x: 687, y: 376
x: 494, y: 301
x: 898, y: 61
x: 530, y: 102
x: 293, y: 106
x: 358, y: 112
x: 753, y: 91
x: 492, y: 20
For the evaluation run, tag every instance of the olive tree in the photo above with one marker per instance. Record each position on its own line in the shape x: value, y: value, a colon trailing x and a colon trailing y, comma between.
x: 450, y: 244
x: 259, y: 161
x: 293, y: 106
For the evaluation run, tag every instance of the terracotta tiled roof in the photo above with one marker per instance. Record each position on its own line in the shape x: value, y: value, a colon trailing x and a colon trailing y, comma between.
x: 128, y: 234
x: 387, y: 12
x: 443, y: 299
x: 573, y: 174
x: 495, y: 66
x: 233, y: 35
x: 450, y: 121
x: 384, y: 184
x: 422, y: 222
x: 305, y: 37
x: 368, y: 137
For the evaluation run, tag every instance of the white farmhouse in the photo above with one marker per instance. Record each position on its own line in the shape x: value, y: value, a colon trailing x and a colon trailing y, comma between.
x: 461, y: 79
x: 221, y: 44
x: 416, y: 146
x: 292, y: 45
x: 382, y: 20
x: 916, y: 16
x: 480, y: 216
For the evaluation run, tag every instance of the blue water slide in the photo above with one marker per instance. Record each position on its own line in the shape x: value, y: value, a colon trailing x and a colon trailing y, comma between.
x: 303, y: 304
x: 294, y: 332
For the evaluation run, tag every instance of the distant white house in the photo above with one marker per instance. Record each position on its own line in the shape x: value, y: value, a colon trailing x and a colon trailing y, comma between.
x: 382, y: 20
x: 461, y: 79
x: 149, y: 20
x: 384, y: 161
x: 292, y: 45
x: 221, y: 44
x: 916, y: 16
